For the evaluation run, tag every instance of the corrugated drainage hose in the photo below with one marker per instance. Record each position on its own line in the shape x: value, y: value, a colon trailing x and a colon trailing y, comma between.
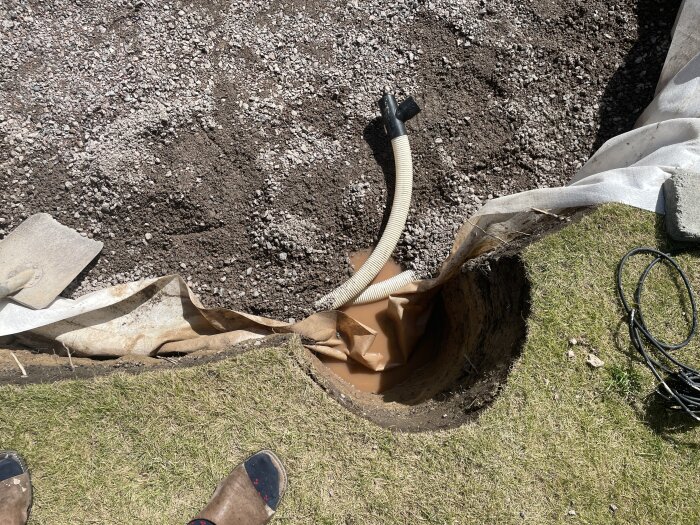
x: 384, y: 289
x: 394, y: 117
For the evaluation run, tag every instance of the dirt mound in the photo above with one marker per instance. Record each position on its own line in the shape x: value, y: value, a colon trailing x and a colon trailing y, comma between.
x: 236, y: 142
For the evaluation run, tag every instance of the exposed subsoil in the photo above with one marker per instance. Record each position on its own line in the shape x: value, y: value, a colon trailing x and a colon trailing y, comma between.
x: 236, y: 142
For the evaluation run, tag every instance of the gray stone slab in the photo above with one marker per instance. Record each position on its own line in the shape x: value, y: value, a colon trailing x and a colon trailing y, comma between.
x: 682, y: 198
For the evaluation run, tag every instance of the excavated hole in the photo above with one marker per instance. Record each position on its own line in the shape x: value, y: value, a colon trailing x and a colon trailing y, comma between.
x: 476, y: 332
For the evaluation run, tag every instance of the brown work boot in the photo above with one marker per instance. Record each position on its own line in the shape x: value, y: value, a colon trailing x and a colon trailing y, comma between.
x: 249, y: 495
x: 15, y: 489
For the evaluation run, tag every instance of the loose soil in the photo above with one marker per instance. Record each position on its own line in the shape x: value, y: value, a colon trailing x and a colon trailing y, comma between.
x: 236, y: 142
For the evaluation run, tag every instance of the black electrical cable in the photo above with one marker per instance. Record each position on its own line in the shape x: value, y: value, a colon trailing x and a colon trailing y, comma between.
x: 681, y: 386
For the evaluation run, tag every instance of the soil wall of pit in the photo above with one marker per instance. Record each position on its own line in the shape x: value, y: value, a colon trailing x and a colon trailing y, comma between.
x: 476, y: 330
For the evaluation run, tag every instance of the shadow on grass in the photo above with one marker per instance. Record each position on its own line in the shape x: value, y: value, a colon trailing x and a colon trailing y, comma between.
x: 654, y: 411
x: 668, y: 423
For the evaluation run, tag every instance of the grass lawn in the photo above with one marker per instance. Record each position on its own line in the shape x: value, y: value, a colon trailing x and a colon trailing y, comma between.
x: 562, y: 438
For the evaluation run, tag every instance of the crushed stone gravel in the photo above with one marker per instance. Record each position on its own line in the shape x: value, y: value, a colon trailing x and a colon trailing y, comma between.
x: 237, y: 142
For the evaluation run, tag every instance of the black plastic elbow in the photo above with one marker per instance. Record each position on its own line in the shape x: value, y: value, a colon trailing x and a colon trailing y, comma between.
x: 394, y: 116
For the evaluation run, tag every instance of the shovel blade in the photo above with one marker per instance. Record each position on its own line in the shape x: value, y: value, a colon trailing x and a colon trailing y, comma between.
x: 56, y: 254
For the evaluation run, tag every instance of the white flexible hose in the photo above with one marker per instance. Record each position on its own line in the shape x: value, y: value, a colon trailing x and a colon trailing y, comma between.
x: 390, y: 238
x: 384, y: 289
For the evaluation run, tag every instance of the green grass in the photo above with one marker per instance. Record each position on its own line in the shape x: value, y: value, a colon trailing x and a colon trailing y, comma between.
x: 624, y: 381
x: 562, y: 436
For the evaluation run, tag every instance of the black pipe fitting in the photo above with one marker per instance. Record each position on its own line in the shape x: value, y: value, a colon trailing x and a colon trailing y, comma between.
x: 394, y: 116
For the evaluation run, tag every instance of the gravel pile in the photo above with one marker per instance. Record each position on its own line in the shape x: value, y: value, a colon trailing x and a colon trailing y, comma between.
x: 236, y: 143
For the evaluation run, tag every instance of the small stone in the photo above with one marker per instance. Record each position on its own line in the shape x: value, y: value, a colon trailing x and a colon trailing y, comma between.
x: 571, y: 512
x: 594, y: 361
x: 613, y: 507
x: 573, y: 341
x: 68, y: 184
x: 438, y: 140
x: 183, y: 265
x: 570, y: 354
x: 282, y: 256
x: 148, y: 236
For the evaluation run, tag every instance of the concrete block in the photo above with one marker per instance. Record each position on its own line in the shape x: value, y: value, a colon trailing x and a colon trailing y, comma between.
x: 682, y: 198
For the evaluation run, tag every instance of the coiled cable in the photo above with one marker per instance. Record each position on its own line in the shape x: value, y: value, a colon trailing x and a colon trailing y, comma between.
x: 681, y: 385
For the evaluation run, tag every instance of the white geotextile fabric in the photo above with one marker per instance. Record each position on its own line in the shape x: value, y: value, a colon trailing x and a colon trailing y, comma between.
x: 161, y: 315
x: 632, y: 167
